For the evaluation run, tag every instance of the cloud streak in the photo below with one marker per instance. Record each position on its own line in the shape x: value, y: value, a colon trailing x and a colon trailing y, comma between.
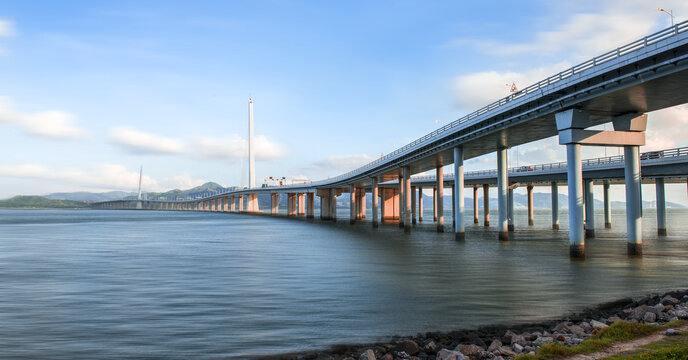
x: 6, y: 28
x: 51, y: 124
x: 232, y: 147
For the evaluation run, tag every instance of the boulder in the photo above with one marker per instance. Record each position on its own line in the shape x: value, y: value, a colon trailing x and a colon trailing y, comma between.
x: 430, y: 347
x: 496, y: 344
x: 408, y: 346
x: 613, y: 320
x: 387, y: 357
x: 673, y: 332
x: 577, y: 330
x: 681, y: 314
x: 506, y: 351
x: 649, y: 317
x: 518, y: 339
x: 669, y: 300
x: 445, y: 354
x: 542, y: 340
x: 518, y: 348
x: 367, y: 355
x: 598, y: 325
x: 471, y: 350
x: 639, y: 312
x: 562, y: 328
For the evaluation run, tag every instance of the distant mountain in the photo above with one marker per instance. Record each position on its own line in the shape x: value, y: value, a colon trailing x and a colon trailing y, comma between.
x: 89, y: 196
x: 40, y: 202
x: 207, y: 189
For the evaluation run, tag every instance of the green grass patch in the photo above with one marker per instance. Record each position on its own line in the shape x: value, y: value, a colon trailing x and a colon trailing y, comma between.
x: 620, y: 331
x: 675, y: 348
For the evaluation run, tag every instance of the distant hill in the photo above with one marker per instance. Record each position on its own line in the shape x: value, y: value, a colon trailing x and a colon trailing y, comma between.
x: 40, y: 202
x: 207, y: 189
x: 89, y: 196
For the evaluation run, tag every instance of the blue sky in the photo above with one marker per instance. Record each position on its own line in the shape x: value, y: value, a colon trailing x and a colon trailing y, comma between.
x: 89, y: 91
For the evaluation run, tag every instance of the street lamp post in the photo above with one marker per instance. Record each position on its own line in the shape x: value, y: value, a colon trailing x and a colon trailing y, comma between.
x: 670, y: 12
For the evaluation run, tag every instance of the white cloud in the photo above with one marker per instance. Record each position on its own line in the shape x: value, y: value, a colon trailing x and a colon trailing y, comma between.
x: 231, y: 147
x: 6, y: 28
x: 99, y: 177
x: 51, y: 124
x: 666, y: 128
x: 342, y: 163
x: 473, y: 91
x: 145, y: 143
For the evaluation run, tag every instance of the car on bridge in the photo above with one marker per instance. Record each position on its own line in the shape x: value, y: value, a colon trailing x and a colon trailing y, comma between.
x: 652, y: 155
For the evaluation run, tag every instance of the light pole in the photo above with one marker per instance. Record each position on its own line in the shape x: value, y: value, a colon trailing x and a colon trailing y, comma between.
x: 670, y: 12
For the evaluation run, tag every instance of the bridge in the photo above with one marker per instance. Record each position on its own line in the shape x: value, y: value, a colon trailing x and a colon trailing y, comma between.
x: 619, y: 86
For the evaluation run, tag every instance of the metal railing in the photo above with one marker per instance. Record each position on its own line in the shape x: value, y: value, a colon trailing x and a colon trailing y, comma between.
x: 605, y: 160
x: 587, y: 65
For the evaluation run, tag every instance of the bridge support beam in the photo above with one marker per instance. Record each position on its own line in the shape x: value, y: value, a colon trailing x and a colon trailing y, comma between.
x: 661, y: 207
x: 434, y: 203
x: 607, y: 205
x: 301, y: 197
x: 241, y: 203
x: 574, y: 175
x: 531, y: 210
x: 555, y: 206
x: 502, y: 194
x: 375, y: 202
x: 486, y: 204
x: 352, y: 204
x: 333, y: 204
x: 413, y: 205
x: 310, y: 207
x: 420, y: 204
x: 274, y: 204
x: 510, y: 209
x: 440, y: 198
x: 633, y: 201
x: 589, y: 209
x: 401, y: 205
x: 324, y: 204
x: 475, y: 204
x: 407, y: 199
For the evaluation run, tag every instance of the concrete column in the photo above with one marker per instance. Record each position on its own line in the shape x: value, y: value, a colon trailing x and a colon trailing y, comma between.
x: 310, y: 207
x: 302, y: 204
x: 475, y: 204
x: 324, y: 206
x: 574, y: 177
x: 273, y: 204
x: 413, y: 205
x: 531, y: 210
x: 225, y: 203
x: 434, y: 204
x: 589, y: 209
x: 407, y: 199
x: 555, y: 206
x: 241, y: 203
x: 375, y: 202
x: 607, y: 206
x: 661, y: 207
x: 459, y: 223
x: 486, y: 204
x: 440, y: 199
x: 453, y: 207
x: 333, y: 204
x: 510, y: 226
x: 502, y: 190
x: 420, y: 204
x: 352, y: 204
x: 362, y: 203
x: 633, y: 202
x: 402, y: 206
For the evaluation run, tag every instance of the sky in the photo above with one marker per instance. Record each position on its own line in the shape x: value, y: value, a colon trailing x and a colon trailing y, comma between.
x: 90, y: 91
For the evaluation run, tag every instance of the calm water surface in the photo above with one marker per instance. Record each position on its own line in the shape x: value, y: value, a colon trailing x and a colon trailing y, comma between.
x: 170, y: 285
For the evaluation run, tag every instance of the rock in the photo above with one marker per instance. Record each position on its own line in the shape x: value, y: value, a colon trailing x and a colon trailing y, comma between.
x: 561, y: 338
x: 497, y: 358
x: 529, y: 336
x: 598, y: 325
x: 649, y: 317
x: 638, y: 312
x: 445, y: 354
x: 668, y: 300
x: 518, y: 348
x: 613, y: 320
x: 348, y: 358
x: 367, y: 355
x: 430, y: 347
x: 506, y: 351
x: 543, y: 340
x: 402, y: 354
x: 586, y: 326
x: 470, y: 350
x: 408, y: 346
x: 496, y: 344
x: 576, y: 330
x: 518, y: 339
x: 673, y: 332
x: 387, y: 357
x: 681, y: 314
x: 562, y: 328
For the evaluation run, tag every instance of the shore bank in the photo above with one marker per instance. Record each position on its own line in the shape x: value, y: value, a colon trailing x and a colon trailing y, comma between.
x: 503, y: 342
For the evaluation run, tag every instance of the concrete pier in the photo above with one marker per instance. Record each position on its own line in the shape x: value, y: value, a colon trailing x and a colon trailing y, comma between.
x: 301, y: 206
x: 661, y: 207
x: 502, y: 194
x: 633, y: 202
x: 407, y: 199
x: 402, y: 206
x: 531, y: 210
x: 413, y: 205
x: 333, y: 205
x: 589, y: 209
x: 486, y: 204
x: 459, y: 223
x: 434, y: 204
x: 475, y: 204
x: 555, y: 205
x: 574, y: 177
x: 440, y: 199
x: 607, y: 205
x: 274, y: 204
x: 375, y: 202
x: 352, y: 204
x: 510, y: 209
x: 420, y: 204
x: 310, y: 207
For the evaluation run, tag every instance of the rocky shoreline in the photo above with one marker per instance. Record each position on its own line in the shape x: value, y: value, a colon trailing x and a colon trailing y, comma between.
x: 503, y: 342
